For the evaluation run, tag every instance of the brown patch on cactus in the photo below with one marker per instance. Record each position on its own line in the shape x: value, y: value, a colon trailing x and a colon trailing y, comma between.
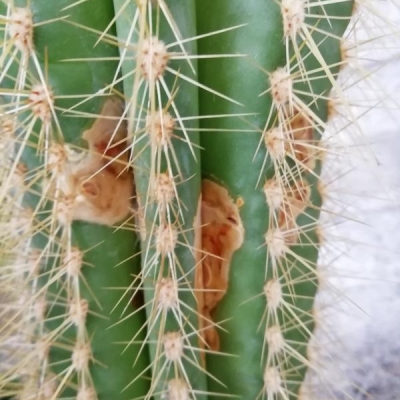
x: 101, y: 197
x: 301, y: 145
x: 101, y: 183
x: 296, y: 200
x: 107, y: 138
x: 222, y: 234
x: 198, y: 280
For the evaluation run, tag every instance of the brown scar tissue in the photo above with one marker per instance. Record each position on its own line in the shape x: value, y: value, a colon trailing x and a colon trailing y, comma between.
x: 101, y: 183
x: 221, y: 233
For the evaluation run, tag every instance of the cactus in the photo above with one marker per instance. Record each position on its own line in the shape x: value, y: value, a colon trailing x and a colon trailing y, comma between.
x: 160, y: 194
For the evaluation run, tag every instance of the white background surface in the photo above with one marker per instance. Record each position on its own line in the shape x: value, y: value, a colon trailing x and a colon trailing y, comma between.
x: 360, y: 323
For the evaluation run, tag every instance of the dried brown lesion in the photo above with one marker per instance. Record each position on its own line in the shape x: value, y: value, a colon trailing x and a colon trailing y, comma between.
x: 222, y: 234
x: 296, y: 198
x: 301, y: 146
x: 107, y: 139
x: 101, y: 183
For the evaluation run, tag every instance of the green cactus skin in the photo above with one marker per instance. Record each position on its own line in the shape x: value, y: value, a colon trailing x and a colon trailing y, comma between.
x: 105, y: 250
x: 251, y: 267
x: 177, y: 263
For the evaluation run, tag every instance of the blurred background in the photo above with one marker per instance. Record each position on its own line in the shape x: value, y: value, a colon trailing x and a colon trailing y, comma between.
x: 359, y: 306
